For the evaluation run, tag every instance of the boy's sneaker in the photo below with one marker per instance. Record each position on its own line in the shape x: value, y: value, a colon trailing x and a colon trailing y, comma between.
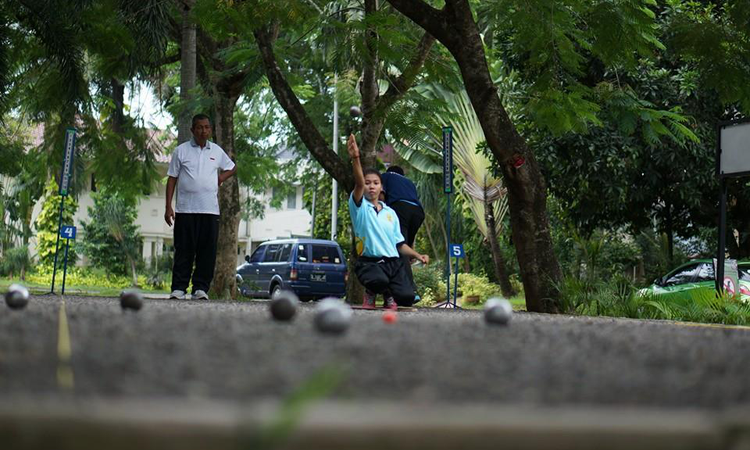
x: 417, y: 298
x: 177, y: 295
x: 391, y: 304
x: 368, y: 300
x: 200, y: 295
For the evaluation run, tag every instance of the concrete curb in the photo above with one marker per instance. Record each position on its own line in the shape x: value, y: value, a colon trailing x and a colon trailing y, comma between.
x: 187, y: 425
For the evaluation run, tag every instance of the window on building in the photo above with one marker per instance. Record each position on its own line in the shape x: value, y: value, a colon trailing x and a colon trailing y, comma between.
x: 291, y: 200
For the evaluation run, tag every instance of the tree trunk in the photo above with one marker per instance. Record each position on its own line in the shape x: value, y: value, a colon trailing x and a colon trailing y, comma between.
x: 308, y: 133
x: 187, y: 70
x: 455, y: 27
x: 501, y: 273
x: 133, y: 271
x: 225, y: 94
x: 670, y: 234
x: 374, y: 108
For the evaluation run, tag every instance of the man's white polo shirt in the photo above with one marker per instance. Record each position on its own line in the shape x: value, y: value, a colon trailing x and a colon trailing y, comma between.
x: 197, y: 171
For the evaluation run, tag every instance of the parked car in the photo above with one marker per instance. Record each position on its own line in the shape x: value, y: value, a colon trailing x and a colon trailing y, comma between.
x: 696, y: 275
x: 312, y: 268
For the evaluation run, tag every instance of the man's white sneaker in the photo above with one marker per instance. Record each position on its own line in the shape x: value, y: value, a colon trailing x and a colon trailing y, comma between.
x: 200, y: 295
x: 177, y: 295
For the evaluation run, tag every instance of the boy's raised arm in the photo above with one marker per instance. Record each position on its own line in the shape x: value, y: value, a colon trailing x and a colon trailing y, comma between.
x: 359, y: 177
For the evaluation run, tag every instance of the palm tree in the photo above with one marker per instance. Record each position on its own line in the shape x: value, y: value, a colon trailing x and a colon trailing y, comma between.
x: 480, y: 189
x: 118, y: 219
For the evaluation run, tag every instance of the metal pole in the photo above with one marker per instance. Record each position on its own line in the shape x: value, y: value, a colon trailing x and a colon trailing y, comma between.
x: 335, y: 186
x: 722, y: 237
x: 314, y: 199
x: 57, y: 243
x: 448, y: 249
x: 65, y: 265
x: 455, y: 285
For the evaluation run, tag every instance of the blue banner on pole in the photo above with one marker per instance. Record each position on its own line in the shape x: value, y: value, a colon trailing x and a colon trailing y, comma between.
x: 448, y: 159
x: 67, y: 167
x: 68, y: 232
x: 457, y: 251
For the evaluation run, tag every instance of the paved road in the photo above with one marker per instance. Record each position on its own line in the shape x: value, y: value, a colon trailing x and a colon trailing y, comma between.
x: 232, y: 351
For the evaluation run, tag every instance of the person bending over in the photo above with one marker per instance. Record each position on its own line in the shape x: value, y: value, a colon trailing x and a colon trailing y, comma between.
x: 401, y: 195
x: 379, y: 240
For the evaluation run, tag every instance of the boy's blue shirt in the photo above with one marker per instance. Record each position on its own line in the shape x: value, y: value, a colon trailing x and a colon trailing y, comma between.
x: 376, y: 233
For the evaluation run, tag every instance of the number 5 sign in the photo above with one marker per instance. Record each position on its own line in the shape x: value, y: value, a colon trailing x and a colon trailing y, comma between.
x: 457, y: 251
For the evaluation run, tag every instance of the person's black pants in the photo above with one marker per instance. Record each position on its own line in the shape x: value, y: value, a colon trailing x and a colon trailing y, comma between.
x: 410, y: 217
x: 195, y: 237
x: 386, y: 276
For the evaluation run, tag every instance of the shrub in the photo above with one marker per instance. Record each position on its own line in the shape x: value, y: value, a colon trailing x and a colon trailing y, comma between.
x: 14, y: 261
x: 517, y: 285
x: 477, y: 285
x: 430, y: 285
x: 110, y: 237
x: 619, y: 298
x: 46, y: 226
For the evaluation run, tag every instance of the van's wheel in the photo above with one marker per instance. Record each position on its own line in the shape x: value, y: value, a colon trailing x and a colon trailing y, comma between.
x: 275, y: 291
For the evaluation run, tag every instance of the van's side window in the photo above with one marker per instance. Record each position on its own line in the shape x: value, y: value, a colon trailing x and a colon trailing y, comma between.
x: 257, y: 255
x: 325, y: 254
x: 286, y: 249
x: 302, y: 252
x: 271, y: 253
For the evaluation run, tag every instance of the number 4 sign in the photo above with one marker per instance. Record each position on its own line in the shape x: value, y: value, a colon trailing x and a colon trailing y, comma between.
x: 68, y: 232
x: 457, y: 251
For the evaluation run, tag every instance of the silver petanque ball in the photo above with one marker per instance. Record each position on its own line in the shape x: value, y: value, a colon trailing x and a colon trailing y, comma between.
x: 17, y: 296
x: 284, y: 306
x: 498, y: 311
x: 131, y: 299
x: 354, y: 111
x: 332, y: 316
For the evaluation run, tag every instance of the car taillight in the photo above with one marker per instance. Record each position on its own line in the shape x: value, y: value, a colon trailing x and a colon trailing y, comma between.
x: 346, y: 276
x: 293, y: 275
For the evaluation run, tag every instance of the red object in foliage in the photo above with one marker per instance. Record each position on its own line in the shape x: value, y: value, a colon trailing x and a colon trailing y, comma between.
x: 389, y: 317
x: 518, y: 161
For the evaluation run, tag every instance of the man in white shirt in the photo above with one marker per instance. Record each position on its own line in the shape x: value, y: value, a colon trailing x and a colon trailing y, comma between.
x: 200, y: 166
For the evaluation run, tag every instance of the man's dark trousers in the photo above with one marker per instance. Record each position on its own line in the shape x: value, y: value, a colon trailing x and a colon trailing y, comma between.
x: 195, y: 237
x: 410, y: 217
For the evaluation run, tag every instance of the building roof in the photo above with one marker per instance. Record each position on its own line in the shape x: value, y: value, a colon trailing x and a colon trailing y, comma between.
x: 160, y: 142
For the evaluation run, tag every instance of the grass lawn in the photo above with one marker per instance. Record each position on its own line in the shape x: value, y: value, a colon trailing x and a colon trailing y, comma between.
x: 36, y: 288
x: 518, y: 302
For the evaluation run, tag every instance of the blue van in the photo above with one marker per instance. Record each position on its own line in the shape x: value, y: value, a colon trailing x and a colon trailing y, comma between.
x: 312, y: 268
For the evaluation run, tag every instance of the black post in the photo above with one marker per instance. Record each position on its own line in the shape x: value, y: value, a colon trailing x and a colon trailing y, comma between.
x: 448, y: 249
x: 57, y: 243
x: 722, y: 237
x: 65, y: 264
x: 455, y: 286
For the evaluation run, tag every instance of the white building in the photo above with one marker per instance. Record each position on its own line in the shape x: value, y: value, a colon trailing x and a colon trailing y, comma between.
x: 291, y: 219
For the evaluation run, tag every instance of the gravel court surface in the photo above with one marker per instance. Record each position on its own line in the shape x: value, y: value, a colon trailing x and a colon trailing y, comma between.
x: 233, y: 351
